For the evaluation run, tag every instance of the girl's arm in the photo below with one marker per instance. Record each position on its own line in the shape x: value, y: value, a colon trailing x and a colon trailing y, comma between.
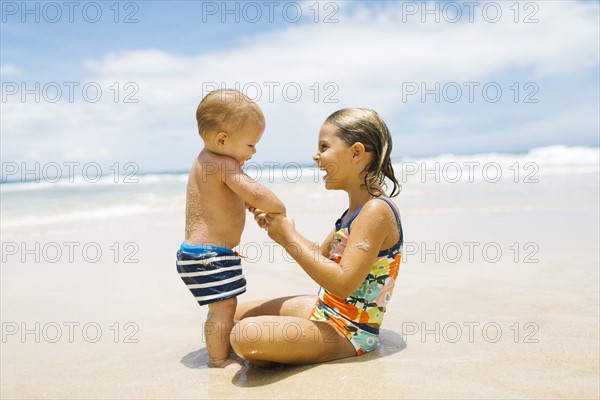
x: 260, y: 216
x: 367, y: 235
x: 252, y: 192
x: 326, y: 244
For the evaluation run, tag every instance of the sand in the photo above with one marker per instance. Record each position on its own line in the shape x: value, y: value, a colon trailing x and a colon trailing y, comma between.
x: 487, y: 327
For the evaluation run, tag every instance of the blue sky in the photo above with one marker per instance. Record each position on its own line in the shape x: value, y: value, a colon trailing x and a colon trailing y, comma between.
x: 543, y: 56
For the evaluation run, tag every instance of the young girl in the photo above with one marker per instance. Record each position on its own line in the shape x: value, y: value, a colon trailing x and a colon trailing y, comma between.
x: 357, y: 263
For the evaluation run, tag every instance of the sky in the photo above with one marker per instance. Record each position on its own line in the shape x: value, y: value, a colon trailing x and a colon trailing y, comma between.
x: 110, y: 81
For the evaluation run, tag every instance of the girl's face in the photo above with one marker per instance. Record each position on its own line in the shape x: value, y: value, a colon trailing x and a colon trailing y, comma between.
x: 333, y: 156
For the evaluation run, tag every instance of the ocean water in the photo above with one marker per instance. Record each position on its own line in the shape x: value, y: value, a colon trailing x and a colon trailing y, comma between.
x: 447, y: 182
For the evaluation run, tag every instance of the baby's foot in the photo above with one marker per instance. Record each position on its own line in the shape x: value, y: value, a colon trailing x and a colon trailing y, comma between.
x: 227, y: 363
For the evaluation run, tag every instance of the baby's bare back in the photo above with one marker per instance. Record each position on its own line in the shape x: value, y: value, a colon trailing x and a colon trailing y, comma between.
x: 214, y: 214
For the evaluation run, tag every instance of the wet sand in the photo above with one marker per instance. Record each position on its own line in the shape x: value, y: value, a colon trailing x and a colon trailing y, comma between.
x: 523, y: 324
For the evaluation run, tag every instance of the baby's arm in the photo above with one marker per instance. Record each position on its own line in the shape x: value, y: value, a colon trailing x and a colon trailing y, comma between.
x: 252, y: 192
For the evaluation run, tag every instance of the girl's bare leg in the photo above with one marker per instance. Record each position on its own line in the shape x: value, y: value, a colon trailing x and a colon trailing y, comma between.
x: 288, y: 340
x: 278, y: 330
x: 216, y: 331
x: 292, y: 306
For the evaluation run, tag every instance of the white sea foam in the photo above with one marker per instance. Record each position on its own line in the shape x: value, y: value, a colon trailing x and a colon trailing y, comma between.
x: 82, y: 182
x: 74, y: 216
x: 543, y: 161
x: 43, y: 204
x: 556, y: 159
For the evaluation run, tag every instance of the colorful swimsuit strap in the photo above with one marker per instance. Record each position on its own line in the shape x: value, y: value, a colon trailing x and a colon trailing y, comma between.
x: 339, y: 225
x: 400, y: 241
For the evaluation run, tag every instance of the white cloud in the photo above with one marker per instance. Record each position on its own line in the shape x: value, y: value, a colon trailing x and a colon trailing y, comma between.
x: 366, y: 57
x: 7, y: 70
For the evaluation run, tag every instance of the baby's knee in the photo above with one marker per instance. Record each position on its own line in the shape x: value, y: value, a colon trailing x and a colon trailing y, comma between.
x: 224, y: 307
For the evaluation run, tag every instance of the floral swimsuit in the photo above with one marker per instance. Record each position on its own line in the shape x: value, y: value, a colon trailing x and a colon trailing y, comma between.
x: 368, y: 303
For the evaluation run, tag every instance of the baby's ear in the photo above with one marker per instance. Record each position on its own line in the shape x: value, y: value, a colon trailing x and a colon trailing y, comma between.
x: 221, y: 138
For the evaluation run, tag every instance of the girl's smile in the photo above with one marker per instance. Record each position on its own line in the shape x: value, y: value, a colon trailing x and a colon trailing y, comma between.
x: 332, y: 155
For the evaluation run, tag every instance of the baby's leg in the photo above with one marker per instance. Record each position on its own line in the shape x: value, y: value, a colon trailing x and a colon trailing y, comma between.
x: 217, y: 329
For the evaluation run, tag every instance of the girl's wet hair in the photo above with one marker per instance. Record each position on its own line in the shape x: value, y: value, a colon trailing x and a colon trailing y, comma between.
x: 363, y: 125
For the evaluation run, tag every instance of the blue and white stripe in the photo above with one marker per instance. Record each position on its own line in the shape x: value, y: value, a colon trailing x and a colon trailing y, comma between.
x: 210, y: 273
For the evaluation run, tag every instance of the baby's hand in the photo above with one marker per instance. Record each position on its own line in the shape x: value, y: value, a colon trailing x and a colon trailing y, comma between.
x: 260, y: 217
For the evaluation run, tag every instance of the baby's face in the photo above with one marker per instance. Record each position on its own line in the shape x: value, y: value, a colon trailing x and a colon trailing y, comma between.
x: 242, y: 144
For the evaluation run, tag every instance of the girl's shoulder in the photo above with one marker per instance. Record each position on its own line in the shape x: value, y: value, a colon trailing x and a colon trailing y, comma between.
x: 382, y: 205
x: 379, y: 217
x: 378, y: 211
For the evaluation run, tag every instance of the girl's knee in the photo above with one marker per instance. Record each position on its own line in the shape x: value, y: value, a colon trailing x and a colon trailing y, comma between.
x: 246, y: 337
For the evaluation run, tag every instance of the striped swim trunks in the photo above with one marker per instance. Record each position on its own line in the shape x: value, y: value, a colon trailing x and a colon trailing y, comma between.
x: 211, y: 273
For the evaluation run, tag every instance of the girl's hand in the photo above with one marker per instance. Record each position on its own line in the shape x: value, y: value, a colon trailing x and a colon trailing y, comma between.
x: 280, y: 227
